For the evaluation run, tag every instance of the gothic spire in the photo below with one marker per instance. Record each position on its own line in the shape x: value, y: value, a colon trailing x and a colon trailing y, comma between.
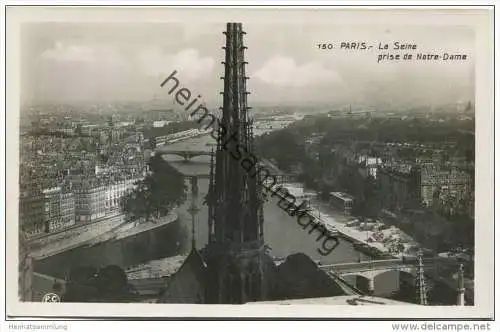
x: 236, y: 217
x: 235, y: 250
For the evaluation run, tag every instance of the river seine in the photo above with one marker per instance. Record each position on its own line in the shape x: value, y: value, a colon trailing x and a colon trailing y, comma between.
x: 281, y: 232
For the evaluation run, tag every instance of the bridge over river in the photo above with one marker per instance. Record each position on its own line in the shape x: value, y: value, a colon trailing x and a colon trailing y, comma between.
x: 186, y: 154
x: 369, y: 276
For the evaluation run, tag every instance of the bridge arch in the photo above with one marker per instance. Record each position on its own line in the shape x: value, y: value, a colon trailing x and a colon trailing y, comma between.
x: 173, y: 157
x: 382, y: 282
x: 202, y: 157
x: 186, y: 155
x: 350, y: 279
x: 387, y: 282
x: 361, y: 281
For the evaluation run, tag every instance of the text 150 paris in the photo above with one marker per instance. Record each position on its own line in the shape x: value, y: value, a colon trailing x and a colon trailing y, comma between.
x: 356, y: 45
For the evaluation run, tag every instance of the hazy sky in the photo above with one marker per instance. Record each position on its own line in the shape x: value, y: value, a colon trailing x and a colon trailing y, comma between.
x: 120, y: 62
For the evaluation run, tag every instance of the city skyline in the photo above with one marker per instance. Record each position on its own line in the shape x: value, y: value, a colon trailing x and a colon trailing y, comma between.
x: 90, y: 62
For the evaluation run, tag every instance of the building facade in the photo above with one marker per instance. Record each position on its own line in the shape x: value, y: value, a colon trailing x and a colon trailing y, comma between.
x: 46, y: 211
x: 368, y: 166
x: 25, y: 270
x: 59, y: 209
x: 342, y: 201
x: 90, y: 202
x: 400, y: 186
x: 31, y: 213
x: 67, y: 210
x: 115, y: 191
x: 452, y: 180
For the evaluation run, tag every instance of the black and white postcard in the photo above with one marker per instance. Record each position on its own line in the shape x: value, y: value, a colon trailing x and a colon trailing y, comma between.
x: 249, y: 162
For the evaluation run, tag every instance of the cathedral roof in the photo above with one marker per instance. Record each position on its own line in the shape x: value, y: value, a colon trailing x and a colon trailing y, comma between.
x: 187, y: 285
x: 196, y: 262
x: 300, y: 277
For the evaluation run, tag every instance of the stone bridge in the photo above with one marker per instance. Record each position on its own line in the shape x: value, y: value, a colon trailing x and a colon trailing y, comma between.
x: 186, y: 154
x: 381, y: 277
x: 280, y: 178
x: 273, y: 172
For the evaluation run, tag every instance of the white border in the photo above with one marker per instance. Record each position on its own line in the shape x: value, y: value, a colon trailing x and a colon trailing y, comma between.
x: 484, y: 160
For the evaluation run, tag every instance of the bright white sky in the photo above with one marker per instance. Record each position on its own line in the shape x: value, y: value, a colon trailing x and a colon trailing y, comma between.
x: 122, y: 62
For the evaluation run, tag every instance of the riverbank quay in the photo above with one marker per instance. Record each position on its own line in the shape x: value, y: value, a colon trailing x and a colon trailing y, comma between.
x: 358, y: 238
x: 115, y: 229
x: 330, y: 220
x: 42, y: 240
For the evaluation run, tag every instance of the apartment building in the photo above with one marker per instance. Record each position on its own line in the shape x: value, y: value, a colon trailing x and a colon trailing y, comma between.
x: 25, y: 270
x: 67, y: 210
x: 368, y: 166
x: 114, y: 192
x: 98, y: 197
x: 452, y: 179
x: 90, y: 201
x: 399, y: 185
x: 404, y: 185
x: 46, y: 211
x: 58, y: 208
x: 31, y: 212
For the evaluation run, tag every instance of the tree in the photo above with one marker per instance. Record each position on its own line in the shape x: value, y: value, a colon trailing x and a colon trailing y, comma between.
x: 372, y: 203
x: 157, y: 194
x: 324, y: 191
x: 112, y: 285
x: 136, y: 204
x: 285, y: 146
x: 80, y: 285
x: 108, y: 284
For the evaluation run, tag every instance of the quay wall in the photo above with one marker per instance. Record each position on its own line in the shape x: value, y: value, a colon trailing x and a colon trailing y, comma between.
x: 138, y: 248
